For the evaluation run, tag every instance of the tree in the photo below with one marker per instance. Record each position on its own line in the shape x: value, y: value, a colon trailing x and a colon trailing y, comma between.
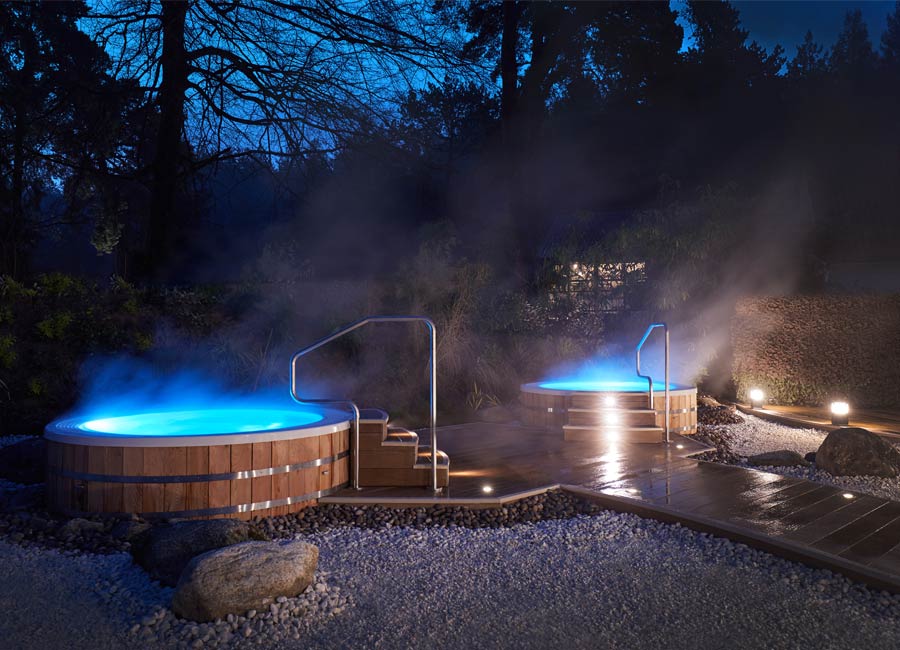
x: 809, y: 62
x: 261, y: 78
x: 890, y: 41
x: 852, y: 56
x: 59, y: 117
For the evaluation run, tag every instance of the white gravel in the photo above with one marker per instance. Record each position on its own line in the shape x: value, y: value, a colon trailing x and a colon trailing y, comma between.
x: 608, y: 581
x: 755, y: 436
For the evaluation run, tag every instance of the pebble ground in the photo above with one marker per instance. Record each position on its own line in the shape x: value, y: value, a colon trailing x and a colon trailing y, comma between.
x: 608, y: 580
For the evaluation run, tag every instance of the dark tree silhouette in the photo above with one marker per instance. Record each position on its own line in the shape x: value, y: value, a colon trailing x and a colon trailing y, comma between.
x: 265, y: 79
x: 59, y: 119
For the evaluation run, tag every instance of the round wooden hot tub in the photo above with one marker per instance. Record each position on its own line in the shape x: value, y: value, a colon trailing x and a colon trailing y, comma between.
x: 260, y: 462
x: 580, y: 406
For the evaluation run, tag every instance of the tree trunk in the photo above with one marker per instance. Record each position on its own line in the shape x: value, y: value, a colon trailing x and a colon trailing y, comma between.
x: 508, y: 69
x: 164, y: 227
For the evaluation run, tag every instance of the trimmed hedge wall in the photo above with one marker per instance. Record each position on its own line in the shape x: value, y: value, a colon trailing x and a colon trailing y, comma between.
x: 814, y: 349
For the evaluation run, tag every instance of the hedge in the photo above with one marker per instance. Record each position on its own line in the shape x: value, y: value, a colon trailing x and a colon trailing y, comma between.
x: 814, y: 349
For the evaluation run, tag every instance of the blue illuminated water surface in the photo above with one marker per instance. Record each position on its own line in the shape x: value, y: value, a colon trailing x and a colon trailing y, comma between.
x: 599, y: 385
x: 202, y: 422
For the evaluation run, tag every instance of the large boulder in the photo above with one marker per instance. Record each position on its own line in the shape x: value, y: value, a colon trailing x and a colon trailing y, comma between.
x: 857, y: 452
x: 242, y: 577
x: 165, y: 550
x: 24, y: 461
x: 780, y: 458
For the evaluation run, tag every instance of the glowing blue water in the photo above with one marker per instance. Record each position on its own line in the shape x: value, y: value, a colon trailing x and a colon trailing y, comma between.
x: 594, y: 385
x: 202, y: 422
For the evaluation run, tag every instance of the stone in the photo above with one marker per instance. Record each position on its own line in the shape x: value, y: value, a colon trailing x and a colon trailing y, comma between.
x: 79, y: 526
x: 853, y: 451
x: 780, y: 458
x: 247, y: 576
x: 30, y: 497
x: 810, y: 457
x: 166, y: 550
x: 130, y: 530
x: 24, y: 461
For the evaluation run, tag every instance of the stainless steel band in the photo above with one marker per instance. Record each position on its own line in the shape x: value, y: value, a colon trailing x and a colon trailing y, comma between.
x: 198, y: 478
x: 230, y: 510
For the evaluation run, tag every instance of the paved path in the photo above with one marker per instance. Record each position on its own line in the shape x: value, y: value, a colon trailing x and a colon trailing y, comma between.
x: 856, y: 534
x: 882, y: 421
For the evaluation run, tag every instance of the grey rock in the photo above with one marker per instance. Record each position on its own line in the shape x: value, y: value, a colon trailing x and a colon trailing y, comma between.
x: 24, y: 461
x: 780, y: 458
x: 130, y: 530
x: 166, y: 550
x: 78, y: 526
x: 853, y: 451
x: 810, y: 457
x: 246, y: 576
x: 30, y: 497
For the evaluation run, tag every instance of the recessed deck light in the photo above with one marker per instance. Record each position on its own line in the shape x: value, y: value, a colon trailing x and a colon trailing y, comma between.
x: 487, y: 489
x: 847, y: 495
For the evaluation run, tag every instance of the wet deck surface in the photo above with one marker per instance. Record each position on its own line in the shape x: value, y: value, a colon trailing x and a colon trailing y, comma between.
x: 494, y: 463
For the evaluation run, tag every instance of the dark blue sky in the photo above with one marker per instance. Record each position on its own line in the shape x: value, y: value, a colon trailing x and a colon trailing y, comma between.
x: 785, y: 21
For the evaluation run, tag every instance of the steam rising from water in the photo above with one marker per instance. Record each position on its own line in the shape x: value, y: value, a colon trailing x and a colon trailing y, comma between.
x: 125, y: 386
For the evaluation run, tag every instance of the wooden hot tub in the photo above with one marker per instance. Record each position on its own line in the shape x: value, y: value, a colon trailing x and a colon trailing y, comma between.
x: 277, y: 462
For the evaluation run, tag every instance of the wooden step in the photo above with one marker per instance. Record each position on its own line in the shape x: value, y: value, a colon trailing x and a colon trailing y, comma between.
x: 639, y: 434
x: 423, y: 458
x: 607, y: 400
x: 401, y: 436
x: 611, y: 416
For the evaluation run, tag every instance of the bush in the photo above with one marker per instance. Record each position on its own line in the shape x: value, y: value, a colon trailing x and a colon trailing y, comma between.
x: 814, y: 349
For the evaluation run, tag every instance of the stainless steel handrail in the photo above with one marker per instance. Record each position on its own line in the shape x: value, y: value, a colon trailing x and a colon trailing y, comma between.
x: 432, y: 395
x: 649, y: 379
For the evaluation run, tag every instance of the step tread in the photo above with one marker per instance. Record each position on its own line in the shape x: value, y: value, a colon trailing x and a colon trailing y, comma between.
x: 423, y: 458
x: 401, y: 438
x: 611, y: 409
x: 373, y: 415
x: 634, y: 427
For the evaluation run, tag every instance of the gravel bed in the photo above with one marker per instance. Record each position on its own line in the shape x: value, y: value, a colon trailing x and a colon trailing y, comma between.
x: 608, y: 580
x: 553, y: 504
x: 735, y: 442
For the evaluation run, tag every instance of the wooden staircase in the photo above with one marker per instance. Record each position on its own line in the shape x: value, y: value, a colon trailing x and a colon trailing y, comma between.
x: 392, y: 456
x: 612, y: 416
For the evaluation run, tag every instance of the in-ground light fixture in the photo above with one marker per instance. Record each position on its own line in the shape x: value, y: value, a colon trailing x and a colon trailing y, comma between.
x: 840, y: 413
x: 756, y: 398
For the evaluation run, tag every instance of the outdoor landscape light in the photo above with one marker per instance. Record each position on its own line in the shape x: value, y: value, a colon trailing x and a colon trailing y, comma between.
x: 847, y: 495
x: 840, y: 413
x: 487, y: 489
x: 679, y: 446
x: 756, y: 398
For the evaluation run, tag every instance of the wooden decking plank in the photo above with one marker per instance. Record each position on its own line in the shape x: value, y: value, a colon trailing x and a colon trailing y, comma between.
x: 832, y: 521
x: 875, y: 545
x: 856, y: 531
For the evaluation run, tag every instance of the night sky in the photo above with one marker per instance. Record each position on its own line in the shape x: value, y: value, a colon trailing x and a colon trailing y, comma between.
x: 786, y: 22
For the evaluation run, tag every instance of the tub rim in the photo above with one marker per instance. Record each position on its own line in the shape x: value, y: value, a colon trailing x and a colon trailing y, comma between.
x: 66, y: 431
x: 535, y: 387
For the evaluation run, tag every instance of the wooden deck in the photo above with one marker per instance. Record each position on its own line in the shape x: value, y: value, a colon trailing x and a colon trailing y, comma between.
x: 856, y: 534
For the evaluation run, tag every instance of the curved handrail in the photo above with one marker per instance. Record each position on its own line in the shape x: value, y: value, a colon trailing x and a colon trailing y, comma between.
x: 432, y: 416
x: 649, y: 379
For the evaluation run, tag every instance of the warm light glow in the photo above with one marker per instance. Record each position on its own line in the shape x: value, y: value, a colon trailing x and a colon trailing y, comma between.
x: 757, y: 395
x: 609, y: 400
x: 611, y: 418
x: 847, y: 495
x: 679, y: 446
x: 840, y: 408
x: 487, y: 489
